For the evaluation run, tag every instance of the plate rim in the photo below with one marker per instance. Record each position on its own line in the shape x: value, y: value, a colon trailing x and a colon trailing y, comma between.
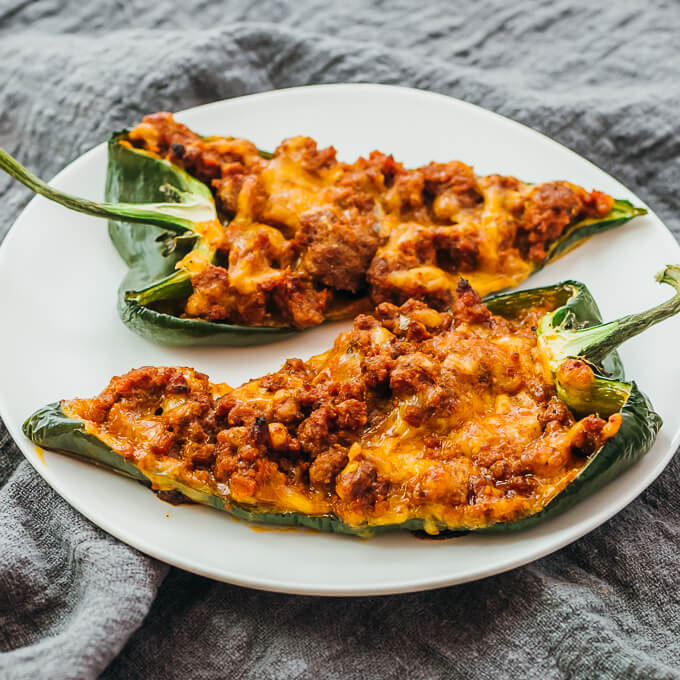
x: 570, y: 534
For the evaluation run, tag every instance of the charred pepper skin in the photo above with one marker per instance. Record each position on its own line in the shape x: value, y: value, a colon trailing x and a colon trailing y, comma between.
x: 575, y: 309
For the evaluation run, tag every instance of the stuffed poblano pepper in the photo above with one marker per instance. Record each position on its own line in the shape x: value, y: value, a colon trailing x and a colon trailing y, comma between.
x: 230, y: 245
x: 493, y: 416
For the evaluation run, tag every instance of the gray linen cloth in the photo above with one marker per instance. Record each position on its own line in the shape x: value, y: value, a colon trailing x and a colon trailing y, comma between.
x: 601, y: 77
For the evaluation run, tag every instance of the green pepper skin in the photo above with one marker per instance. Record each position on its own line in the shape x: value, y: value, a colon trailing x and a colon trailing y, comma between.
x: 621, y: 212
x: 570, y: 297
x: 154, y: 208
x: 639, y: 426
x: 50, y: 428
x: 134, y: 177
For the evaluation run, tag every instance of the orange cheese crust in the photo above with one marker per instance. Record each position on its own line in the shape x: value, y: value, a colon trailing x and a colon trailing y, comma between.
x: 307, y: 234
x: 447, y: 417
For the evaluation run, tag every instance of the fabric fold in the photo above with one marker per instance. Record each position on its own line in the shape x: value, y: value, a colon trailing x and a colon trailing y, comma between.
x: 600, y: 78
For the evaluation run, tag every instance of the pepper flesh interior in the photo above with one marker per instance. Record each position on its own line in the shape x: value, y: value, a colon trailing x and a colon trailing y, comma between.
x: 307, y: 234
x: 448, y: 418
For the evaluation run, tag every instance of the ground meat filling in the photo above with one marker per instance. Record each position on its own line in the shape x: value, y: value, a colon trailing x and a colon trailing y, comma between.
x: 338, y: 248
x: 303, y: 223
x: 206, y: 159
x: 553, y: 206
x: 413, y: 413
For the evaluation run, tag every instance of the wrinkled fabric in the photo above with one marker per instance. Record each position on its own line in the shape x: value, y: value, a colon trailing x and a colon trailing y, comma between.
x: 602, y: 78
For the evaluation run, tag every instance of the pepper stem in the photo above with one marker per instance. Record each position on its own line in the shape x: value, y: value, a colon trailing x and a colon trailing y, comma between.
x: 597, y: 342
x: 175, y: 285
x: 177, y: 217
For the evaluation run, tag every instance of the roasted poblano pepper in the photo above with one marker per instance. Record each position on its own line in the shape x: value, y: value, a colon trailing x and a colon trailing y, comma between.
x: 174, y: 213
x: 572, y: 330
x: 159, y: 213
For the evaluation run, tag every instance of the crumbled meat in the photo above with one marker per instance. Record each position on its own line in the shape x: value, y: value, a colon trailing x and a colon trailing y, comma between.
x: 337, y: 247
x: 358, y: 483
x: 370, y: 225
x: 555, y: 411
x: 351, y: 414
x: 299, y: 302
x: 469, y: 306
x: 412, y: 371
x: 588, y: 437
x: 327, y: 466
x: 410, y: 246
x: 163, y: 135
x: 304, y: 151
x: 551, y: 207
x: 313, y: 432
x: 413, y: 413
x: 457, y: 249
x: 453, y: 187
x: 212, y: 297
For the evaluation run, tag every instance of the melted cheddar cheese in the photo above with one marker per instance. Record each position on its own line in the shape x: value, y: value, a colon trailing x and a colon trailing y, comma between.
x: 446, y: 417
x: 304, y: 231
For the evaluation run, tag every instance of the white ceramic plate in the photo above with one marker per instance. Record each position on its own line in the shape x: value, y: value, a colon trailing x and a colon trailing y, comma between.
x: 59, y: 274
